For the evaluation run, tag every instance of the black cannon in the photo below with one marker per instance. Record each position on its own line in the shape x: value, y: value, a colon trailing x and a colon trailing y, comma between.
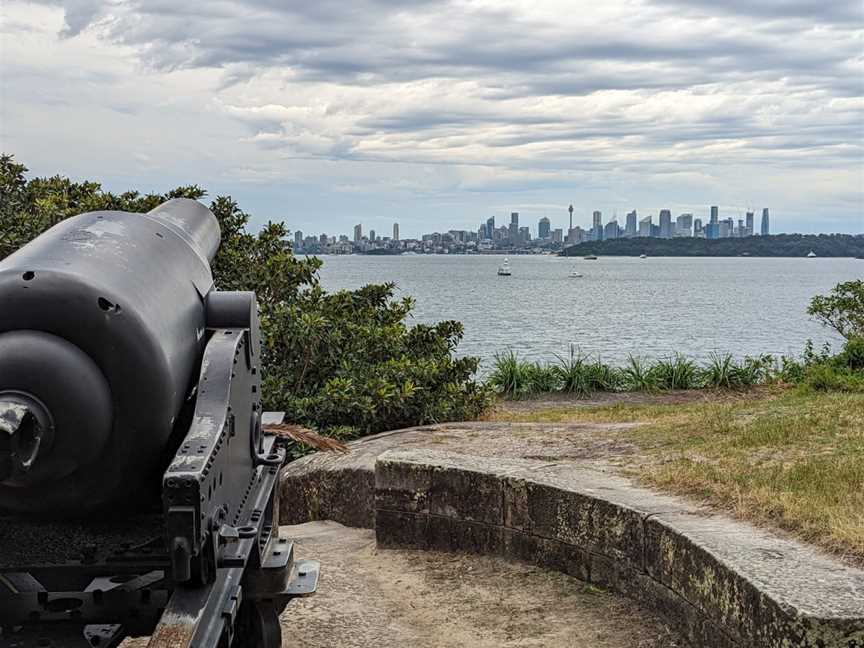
x: 137, y: 489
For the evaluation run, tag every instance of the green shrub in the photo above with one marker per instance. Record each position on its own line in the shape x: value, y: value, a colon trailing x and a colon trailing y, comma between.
x: 677, y: 372
x: 637, y: 375
x: 343, y: 361
x: 574, y: 373
x: 841, y: 309
x: 509, y: 375
x: 852, y: 355
x: 578, y: 375
x: 830, y: 377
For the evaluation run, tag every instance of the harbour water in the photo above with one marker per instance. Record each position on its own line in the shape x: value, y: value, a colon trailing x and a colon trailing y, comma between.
x: 619, y: 306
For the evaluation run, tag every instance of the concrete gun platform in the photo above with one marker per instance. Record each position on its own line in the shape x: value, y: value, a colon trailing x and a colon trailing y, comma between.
x: 545, y: 495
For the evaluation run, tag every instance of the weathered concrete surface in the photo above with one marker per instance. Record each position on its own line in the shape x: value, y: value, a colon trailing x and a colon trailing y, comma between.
x: 340, y: 487
x: 397, y: 598
x: 725, y: 582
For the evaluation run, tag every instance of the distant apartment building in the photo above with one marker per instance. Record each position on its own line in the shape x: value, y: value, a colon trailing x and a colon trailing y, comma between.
x: 698, y: 232
x: 558, y: 235
x: 748, y: 225
x: 514, y: 226
x: 765, y: 230
x: 715, y: 214
x: 371, y: 235
x: 597, y: 226
x: 543, y: 228
x: 665, y: 223
x: 631, y: 228
x: 395, y: 231
x: 610, y: 231
x: 684, y: 226
x: 645, y: 227
x: 298, y: 240
x: 490, y: 228
x: 358, y: 233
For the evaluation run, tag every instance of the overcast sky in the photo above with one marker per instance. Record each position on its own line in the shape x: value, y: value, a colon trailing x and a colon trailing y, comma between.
x: 325, y: 113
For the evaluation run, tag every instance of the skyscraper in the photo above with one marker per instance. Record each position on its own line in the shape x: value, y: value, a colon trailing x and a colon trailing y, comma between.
x: 514, y: 226
x: 490, y: 228
x: 715, y: 214
x: 665, y: 223
x: 631, y: 227
x: 749, y: 224
x: 698, y: 232
x: 684, y: 225
x: 765, y: 230
x: 611, y: 230
x: 395, y: 231
x: 358, y: 233
x: 645, y: 227
x: 372, y: 235
x: 597, y: 227
x: 298, y: 240
x: 543, y: 228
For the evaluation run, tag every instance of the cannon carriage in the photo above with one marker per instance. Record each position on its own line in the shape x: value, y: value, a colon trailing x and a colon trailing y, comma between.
x: 138, y: 491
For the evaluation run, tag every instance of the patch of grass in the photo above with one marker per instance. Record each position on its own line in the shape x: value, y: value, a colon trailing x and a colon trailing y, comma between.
x: 638, y: 375
x: 792, y: 459
x: 677, y: 372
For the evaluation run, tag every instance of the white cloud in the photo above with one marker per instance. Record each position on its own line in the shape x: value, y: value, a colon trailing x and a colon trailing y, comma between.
x: 299, y: 108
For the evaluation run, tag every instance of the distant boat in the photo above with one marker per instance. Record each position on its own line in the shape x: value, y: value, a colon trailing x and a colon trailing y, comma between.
x: 575, y: 273
x: 504, y: 268
x: 643, y: 256
x: 591, y: 257
x: 811, y: 255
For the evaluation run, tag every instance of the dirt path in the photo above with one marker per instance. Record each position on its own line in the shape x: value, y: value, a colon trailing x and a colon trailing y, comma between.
x: 422, y: 599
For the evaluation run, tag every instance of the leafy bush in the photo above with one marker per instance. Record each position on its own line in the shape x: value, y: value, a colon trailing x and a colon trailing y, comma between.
x: 852, y: 355
x: 344, y: 362
x: 830, y: 377
x: 842, y: 309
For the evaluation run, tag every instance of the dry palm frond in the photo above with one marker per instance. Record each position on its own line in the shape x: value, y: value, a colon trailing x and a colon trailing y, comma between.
x: 307, y: 437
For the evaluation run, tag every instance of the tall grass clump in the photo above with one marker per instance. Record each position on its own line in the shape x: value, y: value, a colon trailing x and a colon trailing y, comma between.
x: 677, y: 372
x: 574, y: 374
x: 514, y: 377
x: 509, y: 374
x: 579, y: 375
x: 639, y: 375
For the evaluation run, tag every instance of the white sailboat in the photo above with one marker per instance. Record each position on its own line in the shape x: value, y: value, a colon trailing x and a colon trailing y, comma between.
x: 504, y: 268
x: 575, y: 273
x: 811, y: 255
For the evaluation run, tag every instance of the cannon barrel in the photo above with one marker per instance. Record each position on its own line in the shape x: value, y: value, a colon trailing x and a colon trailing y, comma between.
x: 102, y: 328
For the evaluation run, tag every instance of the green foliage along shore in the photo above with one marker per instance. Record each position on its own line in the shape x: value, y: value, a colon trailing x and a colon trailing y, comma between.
x: 778, y: 245
x: 345, y: 363
x: 842, y: 309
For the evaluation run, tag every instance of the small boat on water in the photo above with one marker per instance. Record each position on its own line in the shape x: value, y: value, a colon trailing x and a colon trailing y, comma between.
x: 591, y: 257
x: 643, y: 256
x: 504, y: 268
x: 811, y: 255
x: 575, y: 273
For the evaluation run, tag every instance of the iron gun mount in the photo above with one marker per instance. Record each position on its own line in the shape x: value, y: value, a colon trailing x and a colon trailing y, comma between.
x: 138, y: 493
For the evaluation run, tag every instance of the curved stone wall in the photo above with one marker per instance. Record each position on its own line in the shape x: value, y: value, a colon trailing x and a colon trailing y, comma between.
x: 722, y: 582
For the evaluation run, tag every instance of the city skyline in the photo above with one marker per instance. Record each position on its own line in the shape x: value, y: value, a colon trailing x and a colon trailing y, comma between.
x: 324, y: 113
x: 514, y: 234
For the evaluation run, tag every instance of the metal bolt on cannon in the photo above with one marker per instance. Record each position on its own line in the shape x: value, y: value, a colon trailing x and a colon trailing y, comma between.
x: 138, y: 492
